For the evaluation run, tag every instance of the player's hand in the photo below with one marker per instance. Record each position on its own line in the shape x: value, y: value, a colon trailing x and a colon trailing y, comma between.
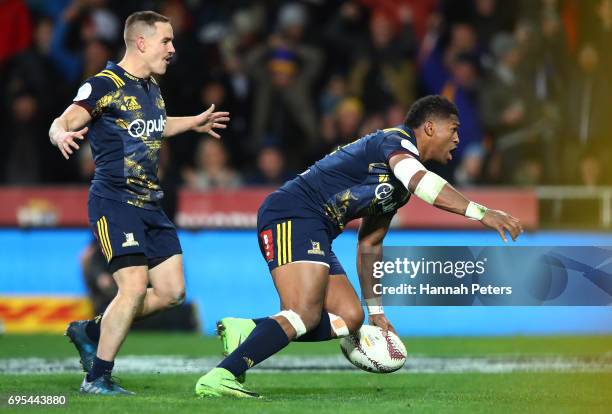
x: 66, y: 141
x: 502, y: 222
x: 208, y: 121
x: 382, y: 322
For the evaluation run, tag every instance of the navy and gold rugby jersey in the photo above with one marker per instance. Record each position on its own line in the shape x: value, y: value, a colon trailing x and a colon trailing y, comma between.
x: 129, y: 116
x: 355, y: 180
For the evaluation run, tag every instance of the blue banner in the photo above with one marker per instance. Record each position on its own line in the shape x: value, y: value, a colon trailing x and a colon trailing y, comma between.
x: 493, y: 276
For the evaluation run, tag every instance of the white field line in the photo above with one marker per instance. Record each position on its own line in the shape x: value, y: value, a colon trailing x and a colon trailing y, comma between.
x: 415, y: 364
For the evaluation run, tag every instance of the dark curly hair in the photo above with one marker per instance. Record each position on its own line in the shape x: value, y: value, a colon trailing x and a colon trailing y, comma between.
x: 427, y: 107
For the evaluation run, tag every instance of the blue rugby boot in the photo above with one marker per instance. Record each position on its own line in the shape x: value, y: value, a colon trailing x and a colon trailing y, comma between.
x: 87, y: 348
x: 104, y: 385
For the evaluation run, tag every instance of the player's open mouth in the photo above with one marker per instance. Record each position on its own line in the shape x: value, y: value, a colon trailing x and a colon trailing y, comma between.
x: 168, y: 59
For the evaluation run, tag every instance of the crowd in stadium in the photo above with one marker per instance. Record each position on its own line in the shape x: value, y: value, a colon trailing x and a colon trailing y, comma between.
x: 300, y: 78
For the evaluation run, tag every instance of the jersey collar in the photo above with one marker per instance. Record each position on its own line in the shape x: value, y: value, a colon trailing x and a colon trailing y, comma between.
x: 123, y: 74
x: 407, y: 134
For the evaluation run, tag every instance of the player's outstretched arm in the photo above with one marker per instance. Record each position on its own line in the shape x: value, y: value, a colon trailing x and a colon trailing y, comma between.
x: 69, y: 127
x: 206, y: 122
x: 369, y: 250
x: 434, y: 190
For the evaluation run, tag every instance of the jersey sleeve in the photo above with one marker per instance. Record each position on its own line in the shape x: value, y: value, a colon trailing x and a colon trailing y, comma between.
x: 388, y: 146
x: 94, y: 95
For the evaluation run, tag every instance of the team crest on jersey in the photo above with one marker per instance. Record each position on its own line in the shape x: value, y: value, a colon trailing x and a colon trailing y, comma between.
x: 129, y: 240
x: 383, y: 190
x: 130, y: 104
x: 159, y: 102
x: 316, y: 248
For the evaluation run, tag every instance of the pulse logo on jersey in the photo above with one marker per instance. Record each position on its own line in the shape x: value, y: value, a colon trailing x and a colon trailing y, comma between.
x: 139, y: 128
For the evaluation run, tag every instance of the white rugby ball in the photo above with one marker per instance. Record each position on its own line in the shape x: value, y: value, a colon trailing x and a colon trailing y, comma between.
x: 372, y: 351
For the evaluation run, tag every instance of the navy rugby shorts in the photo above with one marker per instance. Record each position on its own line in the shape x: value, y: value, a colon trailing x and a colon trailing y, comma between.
x: 123, y: 229
x: 287, y: 235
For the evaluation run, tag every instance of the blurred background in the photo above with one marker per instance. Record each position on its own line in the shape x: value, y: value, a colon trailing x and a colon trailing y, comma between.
x: 530, y: 79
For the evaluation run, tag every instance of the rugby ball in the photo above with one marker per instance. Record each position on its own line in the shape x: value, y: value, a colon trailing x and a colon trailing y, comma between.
x: 372, y: 351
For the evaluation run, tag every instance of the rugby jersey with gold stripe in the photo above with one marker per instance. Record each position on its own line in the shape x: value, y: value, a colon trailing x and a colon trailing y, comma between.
x: 354, y: 181
x: 125, y: 134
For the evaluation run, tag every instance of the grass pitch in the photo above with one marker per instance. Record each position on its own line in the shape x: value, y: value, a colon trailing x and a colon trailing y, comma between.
x: 335, y: 392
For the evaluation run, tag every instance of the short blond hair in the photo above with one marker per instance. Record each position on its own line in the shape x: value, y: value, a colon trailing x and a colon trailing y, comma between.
x: 143, y: 20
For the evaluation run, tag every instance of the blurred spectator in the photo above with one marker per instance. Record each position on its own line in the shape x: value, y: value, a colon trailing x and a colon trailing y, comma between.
x: 462, y: 89
x: 212, y: 171
x: 413, y: 12
x: 270, y: 168
x: 349, y: 115
x: 602, y: 31
x: 15, y: 29
x: 489, y: 18
x: 343, y: 126
x: 384, y: 72
x: 435, y: 69
x: 587, y: 122
x: 373, y: 123
x: 469, y: 171
x: 33, y: 69
x: 97, y: 53
x: 24, y: 162
x: 333, y: 93
x: 82, y: 38
x: 284, y: 73
x: 504, y: 106
x: 590, y: 170
x: 236, y: 138
x: 344, y: 35
x: 264, y: 63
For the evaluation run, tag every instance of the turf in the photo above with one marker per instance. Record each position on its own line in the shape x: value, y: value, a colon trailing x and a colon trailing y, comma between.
x: 334, y: 393
x: 355, y: 392
x: 195, y: 345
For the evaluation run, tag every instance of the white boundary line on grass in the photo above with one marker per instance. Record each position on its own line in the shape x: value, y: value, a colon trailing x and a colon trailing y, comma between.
x: 165, y: 364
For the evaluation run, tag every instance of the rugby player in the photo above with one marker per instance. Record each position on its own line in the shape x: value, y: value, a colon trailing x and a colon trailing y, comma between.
x: 369, y: 178
x: 122, y: 112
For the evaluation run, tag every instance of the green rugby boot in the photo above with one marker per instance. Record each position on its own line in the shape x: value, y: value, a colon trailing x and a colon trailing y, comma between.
x: 219, y: 382
x: 233, y: 332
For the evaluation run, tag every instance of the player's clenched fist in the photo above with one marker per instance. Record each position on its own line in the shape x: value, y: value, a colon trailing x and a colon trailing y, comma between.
x: 502, y: 222
x: 66, y: 141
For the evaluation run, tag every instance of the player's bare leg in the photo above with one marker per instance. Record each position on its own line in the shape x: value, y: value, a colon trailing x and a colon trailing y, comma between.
x: 168, y: 291
x: 342, y: 300
x: 132, y: 287
x: 301, y: 288
x: 168, y: 281
x: 132, y: 283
